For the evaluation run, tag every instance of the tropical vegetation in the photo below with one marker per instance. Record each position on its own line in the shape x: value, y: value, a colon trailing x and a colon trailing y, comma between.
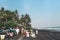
x: 10, y: 18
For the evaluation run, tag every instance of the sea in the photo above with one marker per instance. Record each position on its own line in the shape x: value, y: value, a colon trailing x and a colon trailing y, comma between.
x: 50, y: 28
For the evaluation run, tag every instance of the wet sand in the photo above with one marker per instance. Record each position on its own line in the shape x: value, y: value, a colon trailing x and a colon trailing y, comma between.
x: 45, y: 35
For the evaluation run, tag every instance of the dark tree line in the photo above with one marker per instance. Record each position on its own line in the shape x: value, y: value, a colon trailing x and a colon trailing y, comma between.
x: 11, y: 19
x: 25, y: 21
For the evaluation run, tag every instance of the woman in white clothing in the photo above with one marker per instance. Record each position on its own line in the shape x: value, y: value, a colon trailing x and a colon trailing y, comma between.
x: 27, y: 33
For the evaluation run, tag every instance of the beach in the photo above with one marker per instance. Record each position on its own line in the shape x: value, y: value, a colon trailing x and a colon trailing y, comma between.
x: 45, y: 35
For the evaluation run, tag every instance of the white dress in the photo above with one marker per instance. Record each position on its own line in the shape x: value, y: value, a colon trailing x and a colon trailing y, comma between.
x: 27, y: 34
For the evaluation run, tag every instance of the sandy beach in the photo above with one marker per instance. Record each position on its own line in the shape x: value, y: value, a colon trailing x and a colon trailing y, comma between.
x: 45, y: 35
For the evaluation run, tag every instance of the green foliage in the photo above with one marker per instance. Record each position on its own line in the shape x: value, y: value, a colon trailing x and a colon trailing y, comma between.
x: 11, y: 19
x: 11, y: 24
x: 25, y: 21
x: 6, y: 16
x: 2, y: 8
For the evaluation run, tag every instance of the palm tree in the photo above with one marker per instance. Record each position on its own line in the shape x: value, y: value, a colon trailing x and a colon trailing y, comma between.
x: 2, y: 9
x: 7, y: 15
x: 25, y: 21
x: 2, y: 20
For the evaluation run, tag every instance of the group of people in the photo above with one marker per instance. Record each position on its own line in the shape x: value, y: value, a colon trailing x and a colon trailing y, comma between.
x: 28, y: 33
x: 23, y: 32
x: 18, y: 30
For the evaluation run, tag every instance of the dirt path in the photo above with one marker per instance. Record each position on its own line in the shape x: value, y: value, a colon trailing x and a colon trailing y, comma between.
x: 21, y: 38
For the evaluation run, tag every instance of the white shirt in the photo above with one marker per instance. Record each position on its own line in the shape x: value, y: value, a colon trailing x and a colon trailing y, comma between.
x: 17, y: 30
x: 36, y: 31
x: 27, y: 34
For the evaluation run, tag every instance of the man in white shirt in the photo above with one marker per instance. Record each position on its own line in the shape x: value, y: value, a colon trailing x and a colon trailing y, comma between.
x: 17, y: 30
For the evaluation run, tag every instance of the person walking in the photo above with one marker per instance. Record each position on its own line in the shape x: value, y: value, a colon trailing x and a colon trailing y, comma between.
x: 27, y: 33
x: 36, y: 31
x: 17, y: 30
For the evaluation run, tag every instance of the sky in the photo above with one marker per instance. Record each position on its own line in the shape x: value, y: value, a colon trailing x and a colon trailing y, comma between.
x: 43, y: 13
